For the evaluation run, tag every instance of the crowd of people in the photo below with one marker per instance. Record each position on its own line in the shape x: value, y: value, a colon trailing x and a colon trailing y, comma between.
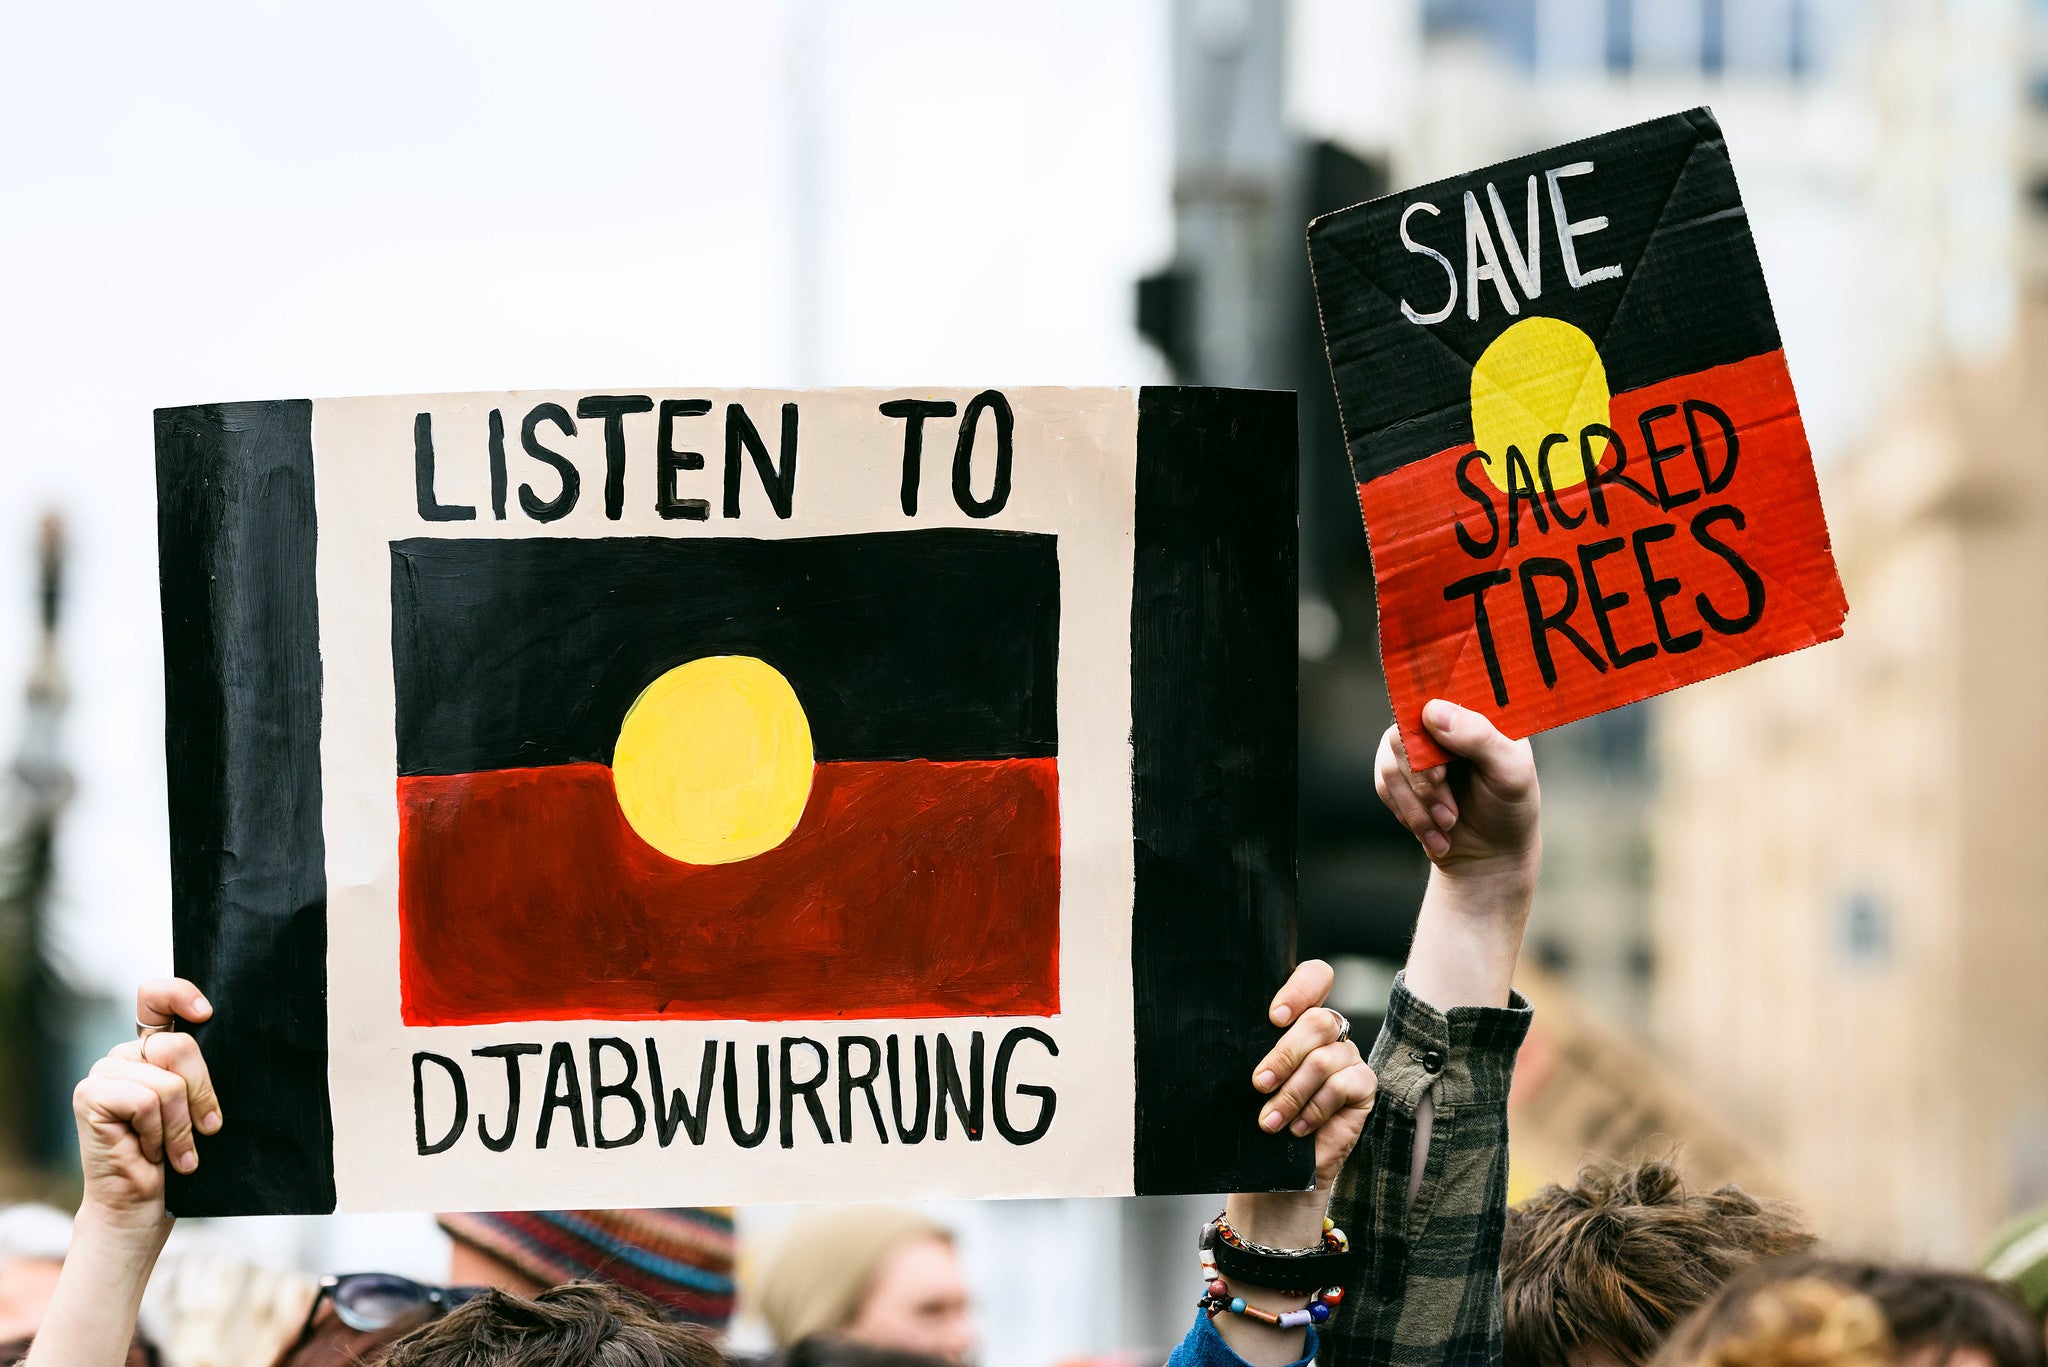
x: 1405, y: 1251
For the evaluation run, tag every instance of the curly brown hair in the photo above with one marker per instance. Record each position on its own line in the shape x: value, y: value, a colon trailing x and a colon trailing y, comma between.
x: 577, y: 1324
x: 1931, y: 1312
x: 1615, y: 1260
x: 1801, y: 1322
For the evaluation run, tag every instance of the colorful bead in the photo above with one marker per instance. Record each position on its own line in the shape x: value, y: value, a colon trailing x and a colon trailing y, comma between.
x: 1334, y: 1296
x: 1328, y: 1223
x: 1237, y: 1305
x: 1219, y: 1288
x: 1318, y: 1312
x: 1295, y: 1319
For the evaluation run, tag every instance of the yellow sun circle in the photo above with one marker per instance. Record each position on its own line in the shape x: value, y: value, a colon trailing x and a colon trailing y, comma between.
x: 714, y: 760
x: 1541, y: 376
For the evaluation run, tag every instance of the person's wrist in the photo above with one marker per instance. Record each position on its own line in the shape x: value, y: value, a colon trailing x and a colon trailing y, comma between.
x: 122, y: 1225
x: 1288, y: 1219
x: 1499, y: 888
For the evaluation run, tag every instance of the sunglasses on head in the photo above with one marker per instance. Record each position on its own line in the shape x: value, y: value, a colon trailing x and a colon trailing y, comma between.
x: 369, y: 1301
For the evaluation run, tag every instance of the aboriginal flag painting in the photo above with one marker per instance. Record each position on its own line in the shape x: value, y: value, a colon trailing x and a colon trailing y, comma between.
x: 725, y: 779
x: 727, y: 796
x: 1578, y: 452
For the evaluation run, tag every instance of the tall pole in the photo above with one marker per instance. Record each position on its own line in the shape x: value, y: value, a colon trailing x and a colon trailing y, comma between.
x: 36, y: 1001
x: 1235, y: 190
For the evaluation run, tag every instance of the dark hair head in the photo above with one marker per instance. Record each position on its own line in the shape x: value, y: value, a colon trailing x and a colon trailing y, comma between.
x: 577, y: 1324
x: 831, y: 1350
x: 1615, y: 1260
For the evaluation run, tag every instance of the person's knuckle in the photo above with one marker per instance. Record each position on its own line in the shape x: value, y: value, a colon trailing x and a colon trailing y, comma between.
x: 1301, y: 1087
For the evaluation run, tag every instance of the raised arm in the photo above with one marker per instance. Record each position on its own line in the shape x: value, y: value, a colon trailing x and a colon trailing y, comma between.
x: 1477, y: 821
x: 1424, y: 1194
x: 139, y: 1108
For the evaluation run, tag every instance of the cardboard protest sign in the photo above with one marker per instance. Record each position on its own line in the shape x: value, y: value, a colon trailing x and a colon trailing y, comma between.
x: 660, y: 798
x: 1577, y: 449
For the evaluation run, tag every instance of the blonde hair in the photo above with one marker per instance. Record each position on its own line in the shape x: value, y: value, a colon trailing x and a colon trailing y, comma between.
x: 818, y: 1274
x: 1804, y: 1322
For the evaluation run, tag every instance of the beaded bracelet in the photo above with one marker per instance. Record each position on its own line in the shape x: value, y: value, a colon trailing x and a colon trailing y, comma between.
x: 1217, y: 1300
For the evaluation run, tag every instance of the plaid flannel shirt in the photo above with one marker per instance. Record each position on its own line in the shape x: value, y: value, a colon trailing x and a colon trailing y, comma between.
x: 1428, y: 1289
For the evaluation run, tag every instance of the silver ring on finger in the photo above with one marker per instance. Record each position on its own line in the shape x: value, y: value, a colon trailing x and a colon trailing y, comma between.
x: 143, y: 1029
x: 1343, y: 1023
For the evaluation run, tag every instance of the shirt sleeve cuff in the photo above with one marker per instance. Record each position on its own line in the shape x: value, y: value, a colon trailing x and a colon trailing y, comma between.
x: 1465, y: 1055
x: 1204, y: 1347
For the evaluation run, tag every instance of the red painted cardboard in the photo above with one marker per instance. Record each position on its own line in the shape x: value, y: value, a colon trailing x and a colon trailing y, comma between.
x: 1578, y: 452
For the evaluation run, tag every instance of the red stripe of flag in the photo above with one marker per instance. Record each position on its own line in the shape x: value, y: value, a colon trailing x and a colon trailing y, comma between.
x: 909, y: 889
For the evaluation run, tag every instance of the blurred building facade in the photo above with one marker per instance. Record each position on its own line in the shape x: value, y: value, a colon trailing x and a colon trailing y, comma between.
x: 1852, y: 889
x: 1849, y: 833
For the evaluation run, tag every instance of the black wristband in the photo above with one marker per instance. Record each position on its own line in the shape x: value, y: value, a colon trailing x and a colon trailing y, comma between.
x: 1300, y: 1274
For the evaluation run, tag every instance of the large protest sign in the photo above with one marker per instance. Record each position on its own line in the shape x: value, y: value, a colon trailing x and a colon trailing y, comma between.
x: 1578, y: 452
x: 650, y: 798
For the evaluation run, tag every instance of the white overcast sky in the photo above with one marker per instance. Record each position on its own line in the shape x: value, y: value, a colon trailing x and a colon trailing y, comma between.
x: 216, y: 202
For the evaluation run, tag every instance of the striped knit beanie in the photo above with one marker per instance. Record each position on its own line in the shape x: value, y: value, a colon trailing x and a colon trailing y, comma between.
x: 679, y: 1258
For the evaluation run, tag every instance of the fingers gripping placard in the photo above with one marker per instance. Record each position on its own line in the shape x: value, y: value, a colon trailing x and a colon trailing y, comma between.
x: 1578, y: 452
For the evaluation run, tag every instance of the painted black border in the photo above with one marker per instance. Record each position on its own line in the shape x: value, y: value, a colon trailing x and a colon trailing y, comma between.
x: 235, y: 533
x: 1213, y: 724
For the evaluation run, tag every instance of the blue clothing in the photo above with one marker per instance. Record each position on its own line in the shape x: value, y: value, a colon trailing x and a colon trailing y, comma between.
x: 1204, y: 1347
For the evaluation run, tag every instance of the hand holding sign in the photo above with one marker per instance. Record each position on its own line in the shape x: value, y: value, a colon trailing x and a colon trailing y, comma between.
x: 1579, y: 456
x: 1476, y: 815
x: 142, y: 1105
